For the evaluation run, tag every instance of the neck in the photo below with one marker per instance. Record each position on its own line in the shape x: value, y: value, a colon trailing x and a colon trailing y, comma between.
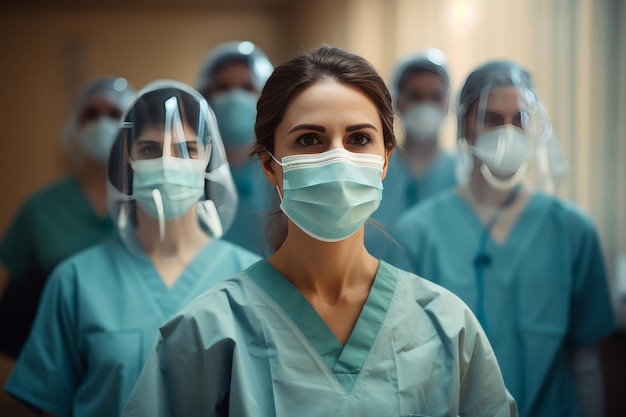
x: 482, y: 192
x: 183, y: 236
x: 419, y: 155
x: 325, y: 268
x: 92, y: 180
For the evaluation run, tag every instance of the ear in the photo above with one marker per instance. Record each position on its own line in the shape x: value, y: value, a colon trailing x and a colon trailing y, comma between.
x: 388, y: 153
x: 268, y: 169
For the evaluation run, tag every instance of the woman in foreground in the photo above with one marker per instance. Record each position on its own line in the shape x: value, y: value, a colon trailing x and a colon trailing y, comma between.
x: 322, y: 327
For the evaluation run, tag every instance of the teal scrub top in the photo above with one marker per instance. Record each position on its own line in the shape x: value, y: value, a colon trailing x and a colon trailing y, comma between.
x: 402, y: 190
x: 99, y: 314
x: 543, y: 295
x: 53, y: 224
x: 257, y: 199
x: 254, y: 346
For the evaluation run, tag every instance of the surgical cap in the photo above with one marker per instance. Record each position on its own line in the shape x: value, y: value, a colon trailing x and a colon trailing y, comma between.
x: 235, y: 51
x: 432, y: 61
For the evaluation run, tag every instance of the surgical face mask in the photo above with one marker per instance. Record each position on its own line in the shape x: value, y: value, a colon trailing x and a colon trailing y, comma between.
x: 236, y: 114
x: 504, y: 151
x: 330, y: 195
x: 96, y: 138
x: 179, y: 183
x: 422, y: 122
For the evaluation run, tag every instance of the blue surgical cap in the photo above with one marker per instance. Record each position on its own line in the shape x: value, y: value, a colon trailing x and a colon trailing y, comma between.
x: 432, y: 61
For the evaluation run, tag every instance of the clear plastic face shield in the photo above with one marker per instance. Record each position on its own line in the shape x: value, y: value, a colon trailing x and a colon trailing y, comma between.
x: 504, y: 132
x: 168, y: 174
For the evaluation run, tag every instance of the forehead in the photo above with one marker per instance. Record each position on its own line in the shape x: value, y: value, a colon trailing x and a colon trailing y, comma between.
x: 157, y: 133
x: 99, y: 102
x: 506, y: 99
x: 423, y: 81
x: 330, y: 101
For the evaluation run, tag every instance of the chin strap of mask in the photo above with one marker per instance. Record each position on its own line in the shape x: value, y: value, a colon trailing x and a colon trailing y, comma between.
x: 483, y: 259
x: 507, y: 184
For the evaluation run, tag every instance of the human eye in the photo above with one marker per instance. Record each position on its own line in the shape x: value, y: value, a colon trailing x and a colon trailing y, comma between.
x: 360, y: 139
x: 493, y: 119
x: 148, y: 150
x: 192, y: 149
x: 308, y: 139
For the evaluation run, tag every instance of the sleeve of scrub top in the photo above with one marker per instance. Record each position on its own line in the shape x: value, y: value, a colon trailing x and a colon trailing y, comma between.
x: 591, y: 316
x: 49, y: 367
x: 186, y: 373
x: 481, y: 379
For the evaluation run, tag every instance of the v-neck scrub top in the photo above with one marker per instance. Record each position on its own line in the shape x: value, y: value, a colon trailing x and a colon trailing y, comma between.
x: 543, y: 295
x: 98, y: 318
x: 254, y: 346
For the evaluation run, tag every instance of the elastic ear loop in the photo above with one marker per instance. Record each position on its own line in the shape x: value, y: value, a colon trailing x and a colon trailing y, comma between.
x: 279, y: 163
x: 507, y: 184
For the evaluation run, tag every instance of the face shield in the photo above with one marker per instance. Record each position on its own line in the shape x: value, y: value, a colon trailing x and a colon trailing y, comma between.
x: 168, y: 173
x: 503, y: 126
x: 91, y: 128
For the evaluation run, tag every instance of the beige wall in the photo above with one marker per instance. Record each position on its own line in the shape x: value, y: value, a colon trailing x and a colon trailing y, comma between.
x: 572, y: 49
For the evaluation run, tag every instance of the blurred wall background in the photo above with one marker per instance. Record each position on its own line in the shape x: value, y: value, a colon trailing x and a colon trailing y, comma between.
x: 575, y: 49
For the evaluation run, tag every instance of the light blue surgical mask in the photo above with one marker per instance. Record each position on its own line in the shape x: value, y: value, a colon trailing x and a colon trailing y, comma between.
x: 330, y: 195
x: 179, y: 184
x: 235, y: 111
x: 96, y: 138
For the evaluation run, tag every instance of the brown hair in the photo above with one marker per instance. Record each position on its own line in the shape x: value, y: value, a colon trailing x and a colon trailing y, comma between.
x: 291, y: 78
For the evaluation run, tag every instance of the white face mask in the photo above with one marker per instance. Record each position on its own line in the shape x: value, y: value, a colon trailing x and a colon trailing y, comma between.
x: 422, y: 122
x: 96, y: 138
x: 504, y: 151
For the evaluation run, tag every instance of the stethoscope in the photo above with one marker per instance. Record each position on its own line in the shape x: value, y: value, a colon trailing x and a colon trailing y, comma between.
x: 483, y: 259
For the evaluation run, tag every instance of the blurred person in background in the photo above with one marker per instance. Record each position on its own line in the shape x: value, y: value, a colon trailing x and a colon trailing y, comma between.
x: 64, y: 217
x: 527, y: 263
x: 420, y: 87
x: 231, y: 79
x: 171, y: 196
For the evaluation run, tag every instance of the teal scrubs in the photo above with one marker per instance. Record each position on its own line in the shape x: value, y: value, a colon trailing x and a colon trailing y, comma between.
x: 256, y: 200
x: 99, y: 314
x: 254, y: 346
x: 53, y: 224
x: 542, y: 295
x: 403, y: 190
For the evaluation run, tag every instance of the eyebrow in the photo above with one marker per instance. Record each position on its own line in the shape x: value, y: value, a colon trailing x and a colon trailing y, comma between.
x: 322, y: 129
x: 361, y: 126
x: 316, y: 128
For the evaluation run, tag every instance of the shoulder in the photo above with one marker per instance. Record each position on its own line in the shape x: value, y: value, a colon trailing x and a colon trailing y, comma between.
x: 428, y: 294
x: 55, y: 190
x: 87, y: 263
x: 565, y: 212
x: 239, y: 253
